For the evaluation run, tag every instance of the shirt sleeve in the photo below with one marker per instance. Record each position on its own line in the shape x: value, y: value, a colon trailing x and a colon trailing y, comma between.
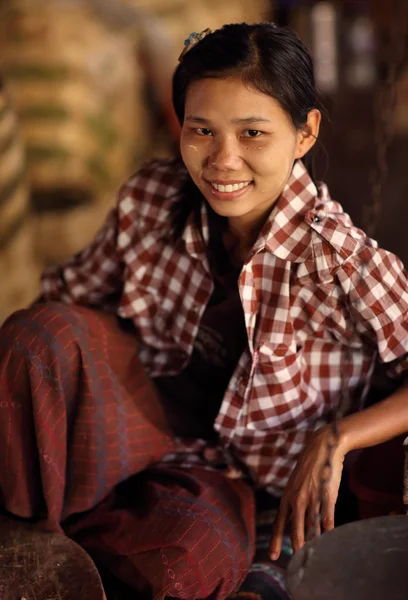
x: 378, y: 291
x: 94, y: 276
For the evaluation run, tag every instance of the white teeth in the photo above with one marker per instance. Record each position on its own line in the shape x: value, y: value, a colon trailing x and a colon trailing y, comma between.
x: 230, y: 187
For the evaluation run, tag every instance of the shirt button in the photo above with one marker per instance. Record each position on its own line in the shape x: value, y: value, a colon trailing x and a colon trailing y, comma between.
x: 316, y: 219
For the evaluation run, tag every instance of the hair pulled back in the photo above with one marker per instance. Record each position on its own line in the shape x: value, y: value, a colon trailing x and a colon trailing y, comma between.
x: 268, y: 58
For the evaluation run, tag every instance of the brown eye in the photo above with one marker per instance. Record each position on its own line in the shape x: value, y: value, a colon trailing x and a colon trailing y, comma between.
x: 203, y: 131
x: 252, y: 133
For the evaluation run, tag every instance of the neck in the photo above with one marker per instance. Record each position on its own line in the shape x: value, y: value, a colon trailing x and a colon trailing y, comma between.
x: 243, y: 238
x: 239, y: 238
x: 245, y: 230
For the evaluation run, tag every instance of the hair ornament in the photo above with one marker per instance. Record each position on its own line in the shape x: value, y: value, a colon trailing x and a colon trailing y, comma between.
x: 193, y: 40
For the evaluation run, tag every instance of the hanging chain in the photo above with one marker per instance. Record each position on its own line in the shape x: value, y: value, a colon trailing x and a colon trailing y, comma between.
x: 385, y: 106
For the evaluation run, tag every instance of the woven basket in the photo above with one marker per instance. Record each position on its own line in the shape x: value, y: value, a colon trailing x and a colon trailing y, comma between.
x: 74, y: 85
x: 78, y: 92
x: 19, y: 271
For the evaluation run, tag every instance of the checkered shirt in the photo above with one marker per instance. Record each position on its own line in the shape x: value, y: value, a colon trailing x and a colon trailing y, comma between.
x: 322, y: 304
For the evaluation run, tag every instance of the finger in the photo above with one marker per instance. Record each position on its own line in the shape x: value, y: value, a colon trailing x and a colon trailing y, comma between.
x: 313, y: 521
x: 297, y: 535
x: 278, y: 531
x: 313, y: 516
x: 328, y: 508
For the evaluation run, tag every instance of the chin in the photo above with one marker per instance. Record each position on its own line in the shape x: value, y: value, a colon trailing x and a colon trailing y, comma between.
x: 226, y: 211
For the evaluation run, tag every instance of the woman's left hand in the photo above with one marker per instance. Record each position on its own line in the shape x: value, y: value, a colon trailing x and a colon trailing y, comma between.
x: 301, y: 500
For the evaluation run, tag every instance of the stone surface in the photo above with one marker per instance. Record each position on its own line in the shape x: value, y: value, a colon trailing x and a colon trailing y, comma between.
x: 364, y: 560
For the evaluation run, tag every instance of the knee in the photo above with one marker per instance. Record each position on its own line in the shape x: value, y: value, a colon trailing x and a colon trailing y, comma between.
x: 38, y: 326
x: 41, y: 313
x: 211, y: 561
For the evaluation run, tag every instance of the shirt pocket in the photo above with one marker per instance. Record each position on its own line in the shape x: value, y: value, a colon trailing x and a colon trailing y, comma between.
x: 280, y: 397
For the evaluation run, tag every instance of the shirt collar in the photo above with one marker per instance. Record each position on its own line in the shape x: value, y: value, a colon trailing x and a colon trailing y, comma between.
x: 196, y: 241
x: 286, y: 233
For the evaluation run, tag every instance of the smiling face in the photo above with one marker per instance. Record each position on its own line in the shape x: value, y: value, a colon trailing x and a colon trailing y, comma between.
x: 239, y: 146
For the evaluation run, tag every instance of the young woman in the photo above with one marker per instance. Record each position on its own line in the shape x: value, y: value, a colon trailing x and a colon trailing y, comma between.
x: 194, y: 352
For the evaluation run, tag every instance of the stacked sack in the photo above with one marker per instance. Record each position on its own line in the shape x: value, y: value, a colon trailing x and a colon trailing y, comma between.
x: 78, y: 95
x: 19, y: 270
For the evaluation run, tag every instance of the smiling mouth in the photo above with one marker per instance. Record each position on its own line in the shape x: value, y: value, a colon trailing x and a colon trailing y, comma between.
x: 231, y: 187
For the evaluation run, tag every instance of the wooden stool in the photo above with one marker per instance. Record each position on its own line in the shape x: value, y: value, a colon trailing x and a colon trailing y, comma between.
x: 36, y: 565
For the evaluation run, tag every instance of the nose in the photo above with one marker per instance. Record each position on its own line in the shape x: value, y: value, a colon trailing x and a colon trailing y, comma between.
x: 224, y: 155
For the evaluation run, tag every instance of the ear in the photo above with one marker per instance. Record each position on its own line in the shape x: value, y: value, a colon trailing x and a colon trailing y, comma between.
x: 308, y: 134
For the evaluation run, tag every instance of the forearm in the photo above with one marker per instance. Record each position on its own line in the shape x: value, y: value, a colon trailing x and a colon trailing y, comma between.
x: 376, y: 424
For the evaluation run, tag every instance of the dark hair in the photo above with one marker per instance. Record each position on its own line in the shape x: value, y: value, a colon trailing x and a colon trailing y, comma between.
x: 269, y: 58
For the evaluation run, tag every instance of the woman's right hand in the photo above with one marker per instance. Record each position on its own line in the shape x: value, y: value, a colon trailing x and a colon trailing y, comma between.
x: 302, y: 500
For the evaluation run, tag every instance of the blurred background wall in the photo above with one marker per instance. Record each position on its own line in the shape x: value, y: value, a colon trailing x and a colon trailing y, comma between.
x: 85, y: 100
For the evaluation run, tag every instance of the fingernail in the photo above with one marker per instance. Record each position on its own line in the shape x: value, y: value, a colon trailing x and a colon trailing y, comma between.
x: 274, y: 556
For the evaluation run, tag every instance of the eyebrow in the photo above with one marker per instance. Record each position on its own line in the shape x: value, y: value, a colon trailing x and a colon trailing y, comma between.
x: 245, y: 120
